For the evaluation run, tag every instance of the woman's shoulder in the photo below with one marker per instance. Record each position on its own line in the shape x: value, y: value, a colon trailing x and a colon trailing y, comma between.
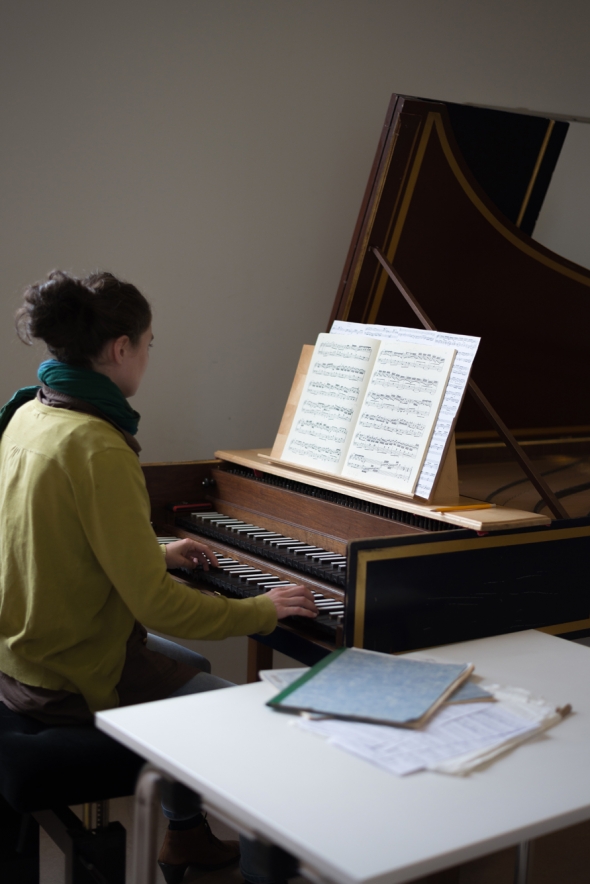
x: 62, y: 431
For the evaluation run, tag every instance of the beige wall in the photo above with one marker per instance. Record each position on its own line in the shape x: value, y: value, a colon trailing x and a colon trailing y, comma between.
x: 215, y: 152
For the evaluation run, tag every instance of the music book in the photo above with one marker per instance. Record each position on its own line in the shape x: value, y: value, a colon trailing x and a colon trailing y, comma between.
x: 467, y: 692
x: 368, y: 409
x: 359, y: 685
x: 466, y: 347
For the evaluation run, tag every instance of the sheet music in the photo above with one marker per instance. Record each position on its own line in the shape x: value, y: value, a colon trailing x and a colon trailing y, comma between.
x: 332, y: 395
x: 466, y: 347
x: 453, y: 732
x: 398, y: 415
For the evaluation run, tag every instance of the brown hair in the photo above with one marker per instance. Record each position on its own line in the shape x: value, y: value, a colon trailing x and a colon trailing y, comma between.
x: 77, y: 317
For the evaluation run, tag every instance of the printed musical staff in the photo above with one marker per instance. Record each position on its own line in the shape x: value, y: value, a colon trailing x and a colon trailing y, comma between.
x: 392, y: 425
x: 332, y: 412
x: 332, y: 350
x: 321, y: 388
x: 381, y: 468
x: 315, y: 452
x: 385, y: 445
x: 400, y: 404
x: 321, y: 431
x: 415, y: 361
x: 333, y: 370
x: 402, y: 382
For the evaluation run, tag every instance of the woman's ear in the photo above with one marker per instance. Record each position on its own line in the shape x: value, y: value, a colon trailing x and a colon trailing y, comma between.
x: 117, y: 350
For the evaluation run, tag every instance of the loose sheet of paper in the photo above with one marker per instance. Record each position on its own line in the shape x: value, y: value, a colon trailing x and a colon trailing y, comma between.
x: 454, y: 731
x: 398, y: 415
x: 466, y: 347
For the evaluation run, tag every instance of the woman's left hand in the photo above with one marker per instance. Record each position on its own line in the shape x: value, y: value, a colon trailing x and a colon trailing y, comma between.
x: 188, y: 554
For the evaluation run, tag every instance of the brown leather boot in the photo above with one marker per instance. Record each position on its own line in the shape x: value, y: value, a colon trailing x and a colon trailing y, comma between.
x: 194, y: 847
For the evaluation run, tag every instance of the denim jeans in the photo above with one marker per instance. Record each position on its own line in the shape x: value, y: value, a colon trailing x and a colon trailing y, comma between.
x: 204, y: 681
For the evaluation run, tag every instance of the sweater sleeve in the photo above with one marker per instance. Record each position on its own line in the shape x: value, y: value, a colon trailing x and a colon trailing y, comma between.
x: 114, y: 509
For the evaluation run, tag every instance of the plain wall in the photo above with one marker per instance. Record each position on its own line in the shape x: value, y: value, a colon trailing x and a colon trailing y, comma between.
x: 215, y: 153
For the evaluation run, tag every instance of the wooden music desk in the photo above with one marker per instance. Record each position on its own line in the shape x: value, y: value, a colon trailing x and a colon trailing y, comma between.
x: 347, y: 821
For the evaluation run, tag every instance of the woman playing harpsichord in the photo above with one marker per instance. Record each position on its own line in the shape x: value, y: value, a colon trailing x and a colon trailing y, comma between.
x: 81, y: 572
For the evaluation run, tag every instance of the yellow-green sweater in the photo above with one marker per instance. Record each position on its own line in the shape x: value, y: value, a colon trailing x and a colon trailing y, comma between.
x: 79, y: 561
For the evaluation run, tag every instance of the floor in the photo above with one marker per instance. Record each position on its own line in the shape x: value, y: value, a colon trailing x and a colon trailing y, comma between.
x: 52, y: 862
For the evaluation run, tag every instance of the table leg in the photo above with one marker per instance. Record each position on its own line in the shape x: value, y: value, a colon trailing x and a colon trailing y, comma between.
x: 523, y: 855
x: 259, y: 657
x: 147, y: 810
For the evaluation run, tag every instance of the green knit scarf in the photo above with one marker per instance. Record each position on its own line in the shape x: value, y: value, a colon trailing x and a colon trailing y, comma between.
x: 81, y: 383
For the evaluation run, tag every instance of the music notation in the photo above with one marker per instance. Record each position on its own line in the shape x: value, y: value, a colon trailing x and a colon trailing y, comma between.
x: 329, y: 411
x: 387, y: 407
x: 381, y: 468
x: 416, y: 361
x: 466, y: 347
x: 402, y: 382
x: 319, y: 388
x: 315, y: 452
x: 333, y: 370
x: 391, y: 425
x: 329, y: 349
x: 322, y: 431
x: 421, y: 372
x: 385, y: 446
x: 400, y: 404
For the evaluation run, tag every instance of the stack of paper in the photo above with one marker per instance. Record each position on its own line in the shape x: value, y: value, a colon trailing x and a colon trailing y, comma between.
x: 456, y: 740
x: 462, y: 734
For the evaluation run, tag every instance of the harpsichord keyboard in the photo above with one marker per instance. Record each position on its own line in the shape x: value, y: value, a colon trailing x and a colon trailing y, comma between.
x: 305, y: 563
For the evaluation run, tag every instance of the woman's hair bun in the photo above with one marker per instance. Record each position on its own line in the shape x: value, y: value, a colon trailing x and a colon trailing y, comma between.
x: 77, y: 317
x: 56, y: 310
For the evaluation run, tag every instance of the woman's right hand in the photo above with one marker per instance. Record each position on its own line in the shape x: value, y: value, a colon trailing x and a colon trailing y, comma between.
x: 293, y: 600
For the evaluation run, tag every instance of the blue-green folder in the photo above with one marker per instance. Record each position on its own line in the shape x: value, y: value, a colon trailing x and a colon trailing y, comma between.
x: 360, y: 685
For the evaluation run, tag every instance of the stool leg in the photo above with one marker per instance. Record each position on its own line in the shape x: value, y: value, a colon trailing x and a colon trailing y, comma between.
x: 19, y: 846
x: 145, y: 826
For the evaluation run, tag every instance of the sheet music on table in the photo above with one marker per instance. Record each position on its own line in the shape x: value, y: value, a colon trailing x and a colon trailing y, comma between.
x: 466, y: 347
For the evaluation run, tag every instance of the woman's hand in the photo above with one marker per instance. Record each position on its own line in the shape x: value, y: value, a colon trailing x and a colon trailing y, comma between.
x: 293, y: 600
x: 188, y: 554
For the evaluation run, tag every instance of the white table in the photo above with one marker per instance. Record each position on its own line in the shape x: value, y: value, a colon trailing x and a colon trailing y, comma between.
x: 349, y: 822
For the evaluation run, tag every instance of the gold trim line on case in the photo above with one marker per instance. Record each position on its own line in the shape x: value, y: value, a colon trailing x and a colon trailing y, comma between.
x: 562, y: 628
x: 529, y: 189
x: 369, y: 226
x: 441, y: 548
x: 403, y: 212
x: 495, y: 222
x: 377, y: 274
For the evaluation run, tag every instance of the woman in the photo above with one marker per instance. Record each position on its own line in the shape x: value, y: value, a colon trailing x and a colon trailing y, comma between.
x: 80, y: 567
